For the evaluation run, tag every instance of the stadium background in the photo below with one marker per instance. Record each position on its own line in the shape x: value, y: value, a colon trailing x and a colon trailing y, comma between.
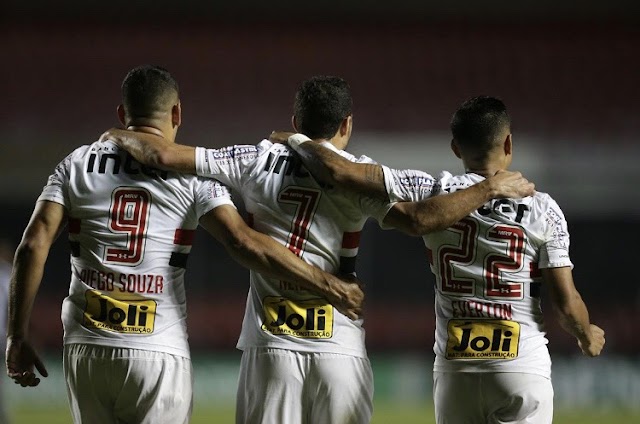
x: 568, y: 73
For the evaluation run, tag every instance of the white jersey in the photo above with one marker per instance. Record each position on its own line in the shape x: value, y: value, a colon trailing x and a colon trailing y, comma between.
x: 130, y: 231
x: 320, y: 224
x: 488, y: 315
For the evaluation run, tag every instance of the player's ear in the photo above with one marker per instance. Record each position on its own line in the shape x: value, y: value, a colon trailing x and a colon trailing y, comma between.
x: 121, y: 115
x: 508, y: 145
x: 345, y: 126
x: 455, y: 148
x: 176, y: 115
x: 294, y: 124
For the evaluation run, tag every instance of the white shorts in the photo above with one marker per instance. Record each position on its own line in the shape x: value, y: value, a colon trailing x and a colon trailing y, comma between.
x: 287, y: 387
x: 492, y: 398
x: 109, y: 385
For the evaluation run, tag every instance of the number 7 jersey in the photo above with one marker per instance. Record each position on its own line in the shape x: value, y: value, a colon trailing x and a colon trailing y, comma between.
x: 318, y: 223
x: 487, y: 301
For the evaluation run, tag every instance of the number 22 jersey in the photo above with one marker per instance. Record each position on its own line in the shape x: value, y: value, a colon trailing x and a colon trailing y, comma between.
x: 130, y: 232
x: 487, y: 300
x: 318, y: 223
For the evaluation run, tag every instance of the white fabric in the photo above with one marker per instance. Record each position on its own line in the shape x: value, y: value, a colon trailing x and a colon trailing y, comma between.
x: 287, y: 387
x: 296, y: 140
x: 492, y: 398
x: 488, y: 315
x: 319, y: 223
x: 118, y: 385
x: 125, y: 290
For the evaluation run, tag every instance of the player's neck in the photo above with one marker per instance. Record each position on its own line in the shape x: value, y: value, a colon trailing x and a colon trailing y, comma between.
x: 486, y: 169
x: 151, y: 130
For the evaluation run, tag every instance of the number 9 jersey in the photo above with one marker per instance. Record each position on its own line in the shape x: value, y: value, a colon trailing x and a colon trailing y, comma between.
x: 130, y: 232
x: 487, y: 302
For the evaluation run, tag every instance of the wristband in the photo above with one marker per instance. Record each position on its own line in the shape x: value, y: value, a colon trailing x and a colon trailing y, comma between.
x: 297, y: 139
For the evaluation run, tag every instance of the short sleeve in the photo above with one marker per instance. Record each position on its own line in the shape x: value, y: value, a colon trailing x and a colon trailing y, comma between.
x: 227, y: 164
x: 554, y: 252
x: 57, y: 188
x: 210, y: 194
x: 409, y: 185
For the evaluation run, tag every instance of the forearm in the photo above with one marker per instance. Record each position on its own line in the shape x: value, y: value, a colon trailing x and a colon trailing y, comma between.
x: 264, y: 255
x: 27, y: 274
x: 439, y: 212
x: 155, y: 151
x: 573, y: 317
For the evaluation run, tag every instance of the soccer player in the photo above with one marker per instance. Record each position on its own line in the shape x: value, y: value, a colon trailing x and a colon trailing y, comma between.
x: 492, y: 363
x: 131, y: 227
x: 303, y: 362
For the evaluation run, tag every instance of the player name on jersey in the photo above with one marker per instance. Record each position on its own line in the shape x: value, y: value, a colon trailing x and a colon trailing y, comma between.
x: 121, y: 282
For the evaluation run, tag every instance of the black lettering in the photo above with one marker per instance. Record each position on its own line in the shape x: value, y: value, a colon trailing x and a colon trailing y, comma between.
x: 131, y: 315
x: 310, y: 319
x: 295, y: 321
x: 103, y: 163
x: 495, y: 343
x: 480, y: 343
x: 103, y: 310
x: 282, y: 316
x: 142, y: 320
x: 117, y: 315
x: 321, y: 319
x: 91, y: 162
x: 464, y: 343
x: 521, y: 210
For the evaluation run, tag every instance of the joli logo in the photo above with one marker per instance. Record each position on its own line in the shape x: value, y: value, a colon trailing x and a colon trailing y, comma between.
x: 122, y: 316
x: 300, y: 318
x: 488, y: 339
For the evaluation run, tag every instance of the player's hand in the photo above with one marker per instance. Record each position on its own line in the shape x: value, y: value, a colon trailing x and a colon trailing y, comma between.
x: 280, y: 137
x: 507, y: 184
x: 350, y: 295
x: 114, y: 134
x: 594, y: 344
x: 21, y: 359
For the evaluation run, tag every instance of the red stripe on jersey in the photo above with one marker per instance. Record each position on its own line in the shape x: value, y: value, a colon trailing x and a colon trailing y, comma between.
x: 351, y: 240
x: 250, y: 220
x: 430, y: 256
x: 184, y: 237
x: 74, y: 226
x: 534, y: 271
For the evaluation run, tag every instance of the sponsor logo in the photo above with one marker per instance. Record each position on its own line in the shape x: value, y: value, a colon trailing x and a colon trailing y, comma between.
x: 482, y: 339
x: 131, y: 315
x: 307, y: 319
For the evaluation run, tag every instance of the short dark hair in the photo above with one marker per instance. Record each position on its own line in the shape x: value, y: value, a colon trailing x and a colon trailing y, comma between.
x: 479, y: 121
x: 147, y: 89
x: 321, y: 104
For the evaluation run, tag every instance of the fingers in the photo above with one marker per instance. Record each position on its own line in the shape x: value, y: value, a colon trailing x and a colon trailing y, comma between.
x: 40, y: 367
x: 27, y: 379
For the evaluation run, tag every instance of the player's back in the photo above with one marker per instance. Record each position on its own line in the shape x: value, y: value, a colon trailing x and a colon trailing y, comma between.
x: 319, y: 223
x: 488, y: 283
x: 130, y: 232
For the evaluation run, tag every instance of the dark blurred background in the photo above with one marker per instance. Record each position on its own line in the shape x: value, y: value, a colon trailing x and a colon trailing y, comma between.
x: 568, y: 72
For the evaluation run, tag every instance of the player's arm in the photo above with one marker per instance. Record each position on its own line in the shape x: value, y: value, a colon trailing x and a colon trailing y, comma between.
x: 328, y: 166
x: 154, y: 151
x: 414, y: 218
x: 439, y: 212
x: 571, y: 310
x: 46, y: 222
x: 263, y: 254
